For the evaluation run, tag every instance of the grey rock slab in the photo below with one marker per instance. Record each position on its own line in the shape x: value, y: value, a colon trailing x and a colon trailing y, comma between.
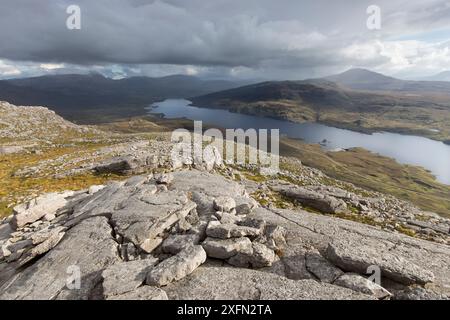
x: 313, y: 199
x: 358, y: 283
x: 177, y: 267
x: 124, y: 277
x: 143, y: 217
x: 43, y: 234
x: 37, y: 208
x: 230, y: 283
x: 306, y: 228
x: 43, y: 247
x: 228, y: 218
x: 224, y: 249
x: 219, y: 230
x: 177, y: 242
x: 262, y: 256
x: 359, y: 258
x: 151, y: 244
x: 321, y: 267
x: 142, y: 293
x: 259, y: 256
x: 295, y: 266
x: 88, y: 247
x: 205, y: 187
x: 5, y: 231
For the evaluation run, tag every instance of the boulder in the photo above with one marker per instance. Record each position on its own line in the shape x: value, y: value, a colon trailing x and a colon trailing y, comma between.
x: 87, y: 248
x: 259, y: 256
x: 362, y: 241
x: 177, y: 242
x: 224, y: 204
x: 144, y: 216
x: 37, y: 208
x: 358, y: 258
x: 124, y: 277
x: 53, y: 239
x: 227, y: 218
x: 211, y: 158
x: 136, y: 163
x: 224, y: 249
x: 151, y: 244
x: 219, y: 230
x: 262, y: 256
x: 275, y: 237
x: 176, y: 267
x: 358, y: 283
x: 321, y: 268
x: 312, y: 199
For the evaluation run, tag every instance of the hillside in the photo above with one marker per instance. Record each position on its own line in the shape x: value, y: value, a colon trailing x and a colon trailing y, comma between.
x: 362, y: 79
x: 331, y: 103
x: 441, y: 76
x: 93, y: 98
x: 129, y: 216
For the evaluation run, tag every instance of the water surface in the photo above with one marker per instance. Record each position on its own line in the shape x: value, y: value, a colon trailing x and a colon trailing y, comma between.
x: 406, y: 149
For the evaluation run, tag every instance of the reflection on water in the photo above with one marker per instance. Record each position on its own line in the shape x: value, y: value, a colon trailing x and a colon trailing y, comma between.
x: 406, y: 149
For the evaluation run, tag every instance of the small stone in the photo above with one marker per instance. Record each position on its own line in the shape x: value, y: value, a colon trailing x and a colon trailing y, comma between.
x: 262, y: 256
x: 243, y: 209
x: 163, y: 178
x: 216, y: 229
x: 224, y: 249
x: 95, y: 188
x: 151, y: 244
x: 177, y: 267
x: 275, y: 236
x: 224, y: 204
x: 49, y: 217
x: 227, y: 218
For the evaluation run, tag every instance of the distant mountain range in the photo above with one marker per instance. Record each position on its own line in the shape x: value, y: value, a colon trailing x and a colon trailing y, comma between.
x: 82, y: 97
x: 442, y: 76
x: 94, y: 98
x: 362, y: 79
x: 357, y: 99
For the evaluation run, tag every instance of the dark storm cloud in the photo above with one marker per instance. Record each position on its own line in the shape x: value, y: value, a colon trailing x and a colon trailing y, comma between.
x: 271, y: 35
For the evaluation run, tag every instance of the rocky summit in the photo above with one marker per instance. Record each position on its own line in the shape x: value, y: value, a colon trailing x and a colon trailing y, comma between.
x: 154, y: 237
x: 162, y: 230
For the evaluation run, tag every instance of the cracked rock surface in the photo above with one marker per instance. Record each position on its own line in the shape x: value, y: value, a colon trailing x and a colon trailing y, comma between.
x: 193, y: 234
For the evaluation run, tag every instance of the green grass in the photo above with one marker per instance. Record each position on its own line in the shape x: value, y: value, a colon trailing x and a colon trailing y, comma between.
x: 374, y: 173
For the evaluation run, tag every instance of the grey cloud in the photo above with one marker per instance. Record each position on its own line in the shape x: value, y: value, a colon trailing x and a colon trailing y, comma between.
x: 258, y: 36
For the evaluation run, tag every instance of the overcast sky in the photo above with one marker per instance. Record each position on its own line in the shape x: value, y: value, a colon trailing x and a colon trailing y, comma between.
x: 247, y: 39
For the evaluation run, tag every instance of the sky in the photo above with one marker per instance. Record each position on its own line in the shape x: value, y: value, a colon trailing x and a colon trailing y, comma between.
x: 224, y: 39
